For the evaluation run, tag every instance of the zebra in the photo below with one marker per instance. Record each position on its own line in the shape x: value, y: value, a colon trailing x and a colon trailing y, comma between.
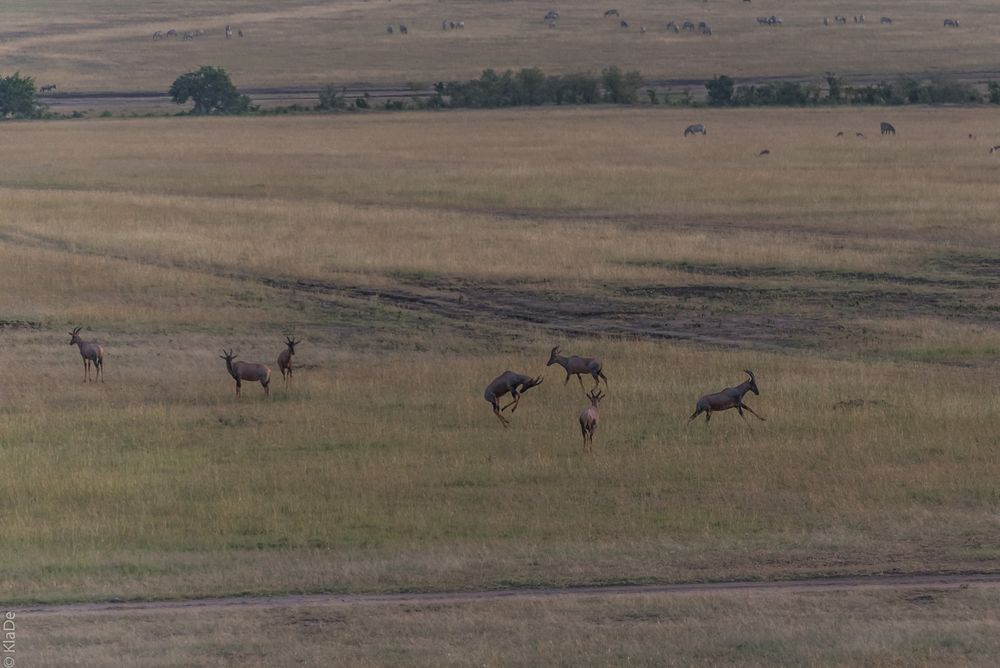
x: 642, y: 30
x: 994, y: 149
x: 189, y: 35
x: 403, y: 30
x: 826, y: 21
x: 706, y: 30
x: 157, y: 35
x: 887, y: 129
x: 885, y: 20
x: 229, y: 31
x: 461, y: 24
x: 696, y: 129
x: 842, y: 20
x: 388, y: 28
x: 171, y: 33
x: 672, y: 27
x: 624, y: 23
x: 951, y: 23
x: 688, y: 26
x: 552, y: 15
x: 773, y: 21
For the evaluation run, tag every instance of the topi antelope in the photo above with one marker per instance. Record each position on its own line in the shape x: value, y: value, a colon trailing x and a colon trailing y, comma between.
x: 589, y: 419
x: 90, y: 352
x: 731, y: 397
x: 515, y: 384
x: 577, y: 366
x: 285, y: 359
x: 241, y: 371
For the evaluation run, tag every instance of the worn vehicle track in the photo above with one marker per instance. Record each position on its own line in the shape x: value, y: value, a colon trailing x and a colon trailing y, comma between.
x: 897, y: 582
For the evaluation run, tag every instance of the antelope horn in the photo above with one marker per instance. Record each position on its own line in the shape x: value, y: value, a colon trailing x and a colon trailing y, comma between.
x: 750, y: 373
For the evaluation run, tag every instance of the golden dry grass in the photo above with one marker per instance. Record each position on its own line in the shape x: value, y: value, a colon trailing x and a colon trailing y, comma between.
x: 418, y: 256
x: 913, y: 628
x: 108, y: 45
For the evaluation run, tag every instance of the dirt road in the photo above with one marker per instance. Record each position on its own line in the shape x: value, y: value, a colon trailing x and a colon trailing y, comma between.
x: 902, y: 582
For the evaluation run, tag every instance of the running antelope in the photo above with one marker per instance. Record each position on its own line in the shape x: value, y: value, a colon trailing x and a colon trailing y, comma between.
x: 577, y: 366
x: 514, y: 383
x: 589, y: 419
x: 90, y: 352
x: 731, y: 397
x: 241, y: 371
x: 285, y: 359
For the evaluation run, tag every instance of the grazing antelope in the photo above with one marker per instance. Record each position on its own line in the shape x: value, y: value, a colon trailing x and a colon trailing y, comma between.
x: 577, y: 366
x: 90, y: 352
x: 696, y: 129
x: 46, y: 88
x: 241, y: 371
x: 589, y: 419
x: 731, y: 397
x: 403, y: 30
x: 859, y: 135
x: 508, y: 382
x: 763, y: 153
x: 886, y: 128
x: 285, y: 359
x: 612, y: 12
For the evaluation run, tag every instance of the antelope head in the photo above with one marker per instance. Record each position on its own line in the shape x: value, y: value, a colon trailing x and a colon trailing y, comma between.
x: 229, y: 357
x: 74, y: 336
x: 291, y: 343
x: 595, y: 397
x: 552, y: 356
x: 753, y: 382
x: 531, y: 382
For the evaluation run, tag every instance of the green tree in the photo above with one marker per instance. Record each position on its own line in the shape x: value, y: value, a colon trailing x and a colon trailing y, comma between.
x: 331, y: 98
x: 17, y: 97
x: 994, y: 91
x: 720, y: 91
x: 619, y: 87
x: 211, y: 91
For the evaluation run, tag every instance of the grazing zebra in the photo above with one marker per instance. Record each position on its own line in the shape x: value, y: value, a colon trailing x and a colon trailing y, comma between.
x: 887, y: 129
x: 157, y: 35
x: 403, y: 30
x: 840, y: 19
x: 171, y: 33
x: 688, y: 26
x: 885, y: 19
x: 388, y: 28
x: 189, y: 35
x: 696, y: 129
x: 951, y: 23
x: 706, y: 30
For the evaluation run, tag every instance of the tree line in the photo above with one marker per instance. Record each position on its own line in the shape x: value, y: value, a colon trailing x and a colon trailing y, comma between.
x: 211, y: 91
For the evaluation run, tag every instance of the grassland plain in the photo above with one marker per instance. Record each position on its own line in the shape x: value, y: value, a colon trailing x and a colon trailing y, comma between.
x: 108, y: 45
x: 418, y: 256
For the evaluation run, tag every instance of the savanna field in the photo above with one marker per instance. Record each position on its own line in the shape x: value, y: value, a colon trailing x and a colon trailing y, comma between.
x: 417, y: 256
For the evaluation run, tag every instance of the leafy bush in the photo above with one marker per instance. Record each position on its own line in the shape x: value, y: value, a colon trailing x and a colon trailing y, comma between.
x: 211, y: 90
x: 17, y: 97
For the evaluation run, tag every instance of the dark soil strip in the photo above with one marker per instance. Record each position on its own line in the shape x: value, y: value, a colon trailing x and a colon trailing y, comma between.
x: 813, y: 585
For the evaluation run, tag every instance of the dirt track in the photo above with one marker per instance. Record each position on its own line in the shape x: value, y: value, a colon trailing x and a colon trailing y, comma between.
x: 813, y: 585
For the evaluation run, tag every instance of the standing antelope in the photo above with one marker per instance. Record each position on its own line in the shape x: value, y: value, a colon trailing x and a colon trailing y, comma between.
x: 241, y: 371
x: 577, y: 366
x: 285, y: 359
x: 515, y: 384
x: 886, y: 128
x: 90, y: 352
x: 731, y: 397
x: 589, y: 419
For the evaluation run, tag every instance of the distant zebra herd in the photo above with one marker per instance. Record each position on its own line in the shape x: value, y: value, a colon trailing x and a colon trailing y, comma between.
x: 885, y: 128
x: 191, y: 34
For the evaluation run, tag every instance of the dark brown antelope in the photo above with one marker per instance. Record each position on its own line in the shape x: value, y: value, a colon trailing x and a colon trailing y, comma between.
x: 285, y: 359
x: 241, y: 371
x: 577, y: 366
x: 508, y: 382
x: 589, y: 419
x: 731, y: 397
x: 90, y: 352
